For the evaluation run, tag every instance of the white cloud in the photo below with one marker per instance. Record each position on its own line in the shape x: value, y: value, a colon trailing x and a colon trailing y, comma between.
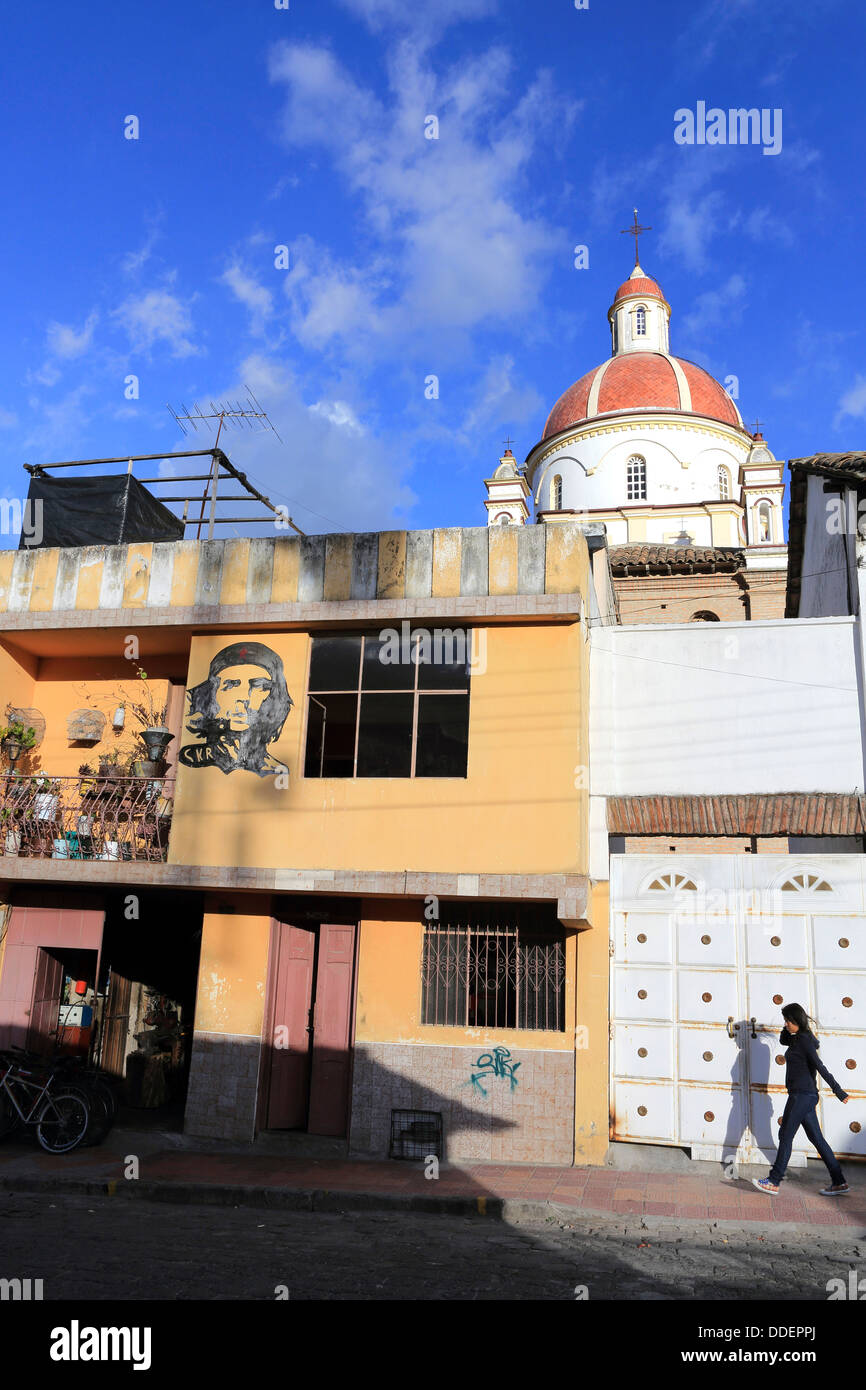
x: 718, y: 308
x: 8, y: 419
x: 853, y: 403
x: 134, y: 260
x: 690, y: 223
x: 57, y: 424
x: 66, y: 342
x: 157, y: 317
x: 331, y: 472
x: 339, y: 413
x: 463, y: 243
x: 709, y: 30
x: 764, y: 224
x: 419, y: 14
x: 500, y: 400
x: 257, y: 298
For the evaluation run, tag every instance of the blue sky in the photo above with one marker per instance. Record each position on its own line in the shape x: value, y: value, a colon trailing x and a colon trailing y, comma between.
x: 414, y: 257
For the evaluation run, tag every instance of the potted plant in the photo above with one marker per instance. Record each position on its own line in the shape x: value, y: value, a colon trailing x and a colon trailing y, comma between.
x: 151, y: 715
x: 88, y: 779
x: 47, y: 798
x: 11, y: 833
x: 86, y: 786
x: 110, y: 764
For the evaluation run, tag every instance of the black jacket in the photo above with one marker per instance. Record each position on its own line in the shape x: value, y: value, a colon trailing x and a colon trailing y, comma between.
x: 802, y: 1062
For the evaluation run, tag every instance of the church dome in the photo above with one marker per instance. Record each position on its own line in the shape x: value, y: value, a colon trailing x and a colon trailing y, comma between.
x: 639, y: 284
x: 640, y: 381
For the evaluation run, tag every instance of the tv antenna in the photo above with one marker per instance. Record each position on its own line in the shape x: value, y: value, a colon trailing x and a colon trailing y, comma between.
x: 250, y: 416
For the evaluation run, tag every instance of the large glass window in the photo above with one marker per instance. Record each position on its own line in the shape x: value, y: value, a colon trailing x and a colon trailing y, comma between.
x: 389, y: 704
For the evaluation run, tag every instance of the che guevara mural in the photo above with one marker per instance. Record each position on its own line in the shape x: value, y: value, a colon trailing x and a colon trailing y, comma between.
x: 237, y: 711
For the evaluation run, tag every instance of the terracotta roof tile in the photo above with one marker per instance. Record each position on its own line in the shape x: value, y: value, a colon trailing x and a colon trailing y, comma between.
x: 639, y: 284
x: 675, y: 559
x: 643, y: 381
x: 789, y: 813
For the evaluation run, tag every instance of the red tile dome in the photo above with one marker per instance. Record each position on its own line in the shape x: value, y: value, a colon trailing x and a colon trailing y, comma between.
x: 640, y: 284
x: 642, y: 381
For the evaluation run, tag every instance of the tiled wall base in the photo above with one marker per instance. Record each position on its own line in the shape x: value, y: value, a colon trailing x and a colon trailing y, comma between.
x: 533, y: 1123
x: 223, y: 1081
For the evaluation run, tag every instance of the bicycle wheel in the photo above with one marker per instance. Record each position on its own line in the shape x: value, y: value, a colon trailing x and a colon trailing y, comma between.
x: 62, y: 1122
x: 9, y: 1117
x: 99, y: 1116
x: 100, y: 1087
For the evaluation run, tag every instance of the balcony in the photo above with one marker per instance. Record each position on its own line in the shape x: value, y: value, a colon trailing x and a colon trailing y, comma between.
x: 106, y: 818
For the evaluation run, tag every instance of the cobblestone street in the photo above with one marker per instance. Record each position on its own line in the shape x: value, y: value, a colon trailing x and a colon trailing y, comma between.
x: 87, y: 1248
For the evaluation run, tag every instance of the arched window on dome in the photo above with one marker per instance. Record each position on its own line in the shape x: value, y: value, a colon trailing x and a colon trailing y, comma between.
x: 635, y: 478
x: 724, y: 483
x: 556, y: 494
x: 765, y: 523
x: 503, y: 519
x: 640, y: 321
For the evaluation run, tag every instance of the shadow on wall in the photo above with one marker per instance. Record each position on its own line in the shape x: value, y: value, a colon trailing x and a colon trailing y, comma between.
x: 494, y: 1106
x: 238, y: 1088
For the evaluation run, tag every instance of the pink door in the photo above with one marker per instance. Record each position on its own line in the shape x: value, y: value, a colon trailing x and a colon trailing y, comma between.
x: 45, y: 1008
x: 43, y: 925
x: 331, y: 1070
x: 293, y: 953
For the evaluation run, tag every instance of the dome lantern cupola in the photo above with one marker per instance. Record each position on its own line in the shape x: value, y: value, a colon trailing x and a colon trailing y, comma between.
x: 639, y: 316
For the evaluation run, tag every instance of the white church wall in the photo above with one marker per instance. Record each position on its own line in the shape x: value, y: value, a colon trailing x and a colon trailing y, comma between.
x: 663, y: 528
x: 593, y: 466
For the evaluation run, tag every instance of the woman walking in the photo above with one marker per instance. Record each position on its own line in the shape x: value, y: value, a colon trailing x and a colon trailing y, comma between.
x: 801, y: 1064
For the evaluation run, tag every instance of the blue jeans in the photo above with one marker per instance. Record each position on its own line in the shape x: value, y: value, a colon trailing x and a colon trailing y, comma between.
x: 800, y: 1110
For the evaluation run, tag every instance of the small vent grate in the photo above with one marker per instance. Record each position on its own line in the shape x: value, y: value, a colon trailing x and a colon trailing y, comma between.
x: 416, y: 1134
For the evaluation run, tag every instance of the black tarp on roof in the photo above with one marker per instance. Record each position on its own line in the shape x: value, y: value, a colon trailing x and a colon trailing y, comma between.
x: 112, y: 510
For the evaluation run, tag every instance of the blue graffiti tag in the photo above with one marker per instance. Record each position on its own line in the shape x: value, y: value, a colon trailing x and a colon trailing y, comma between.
x: 495, y: 1063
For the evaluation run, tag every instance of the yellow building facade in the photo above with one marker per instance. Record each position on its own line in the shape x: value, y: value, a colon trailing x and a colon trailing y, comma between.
x: 354, y: 900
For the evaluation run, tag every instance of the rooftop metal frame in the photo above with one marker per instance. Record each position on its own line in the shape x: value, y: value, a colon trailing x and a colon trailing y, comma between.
x: 221, y: 470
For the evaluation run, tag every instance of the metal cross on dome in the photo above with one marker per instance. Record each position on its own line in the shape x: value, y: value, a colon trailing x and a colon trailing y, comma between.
x: 635, y: 231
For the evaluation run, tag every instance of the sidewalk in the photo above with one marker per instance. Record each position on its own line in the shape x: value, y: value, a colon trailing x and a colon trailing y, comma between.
x: 173, y: 1168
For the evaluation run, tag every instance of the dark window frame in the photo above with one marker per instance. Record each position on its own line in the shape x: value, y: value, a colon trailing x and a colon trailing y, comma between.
x: 359, y: 690
x: 527, y: 989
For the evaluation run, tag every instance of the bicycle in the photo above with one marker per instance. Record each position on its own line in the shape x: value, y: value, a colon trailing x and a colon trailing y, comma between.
x: 61, y: 1117
x: 78, y: 1077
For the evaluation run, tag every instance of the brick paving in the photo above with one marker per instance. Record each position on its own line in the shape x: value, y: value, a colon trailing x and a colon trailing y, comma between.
x: 695, y: 1197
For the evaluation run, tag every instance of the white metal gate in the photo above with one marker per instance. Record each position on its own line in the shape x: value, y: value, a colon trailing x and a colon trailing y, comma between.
x: 705, y: 949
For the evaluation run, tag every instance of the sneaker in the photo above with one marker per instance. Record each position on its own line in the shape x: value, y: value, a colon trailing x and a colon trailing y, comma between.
x: 764, y: 1185
x: 835, y: 1189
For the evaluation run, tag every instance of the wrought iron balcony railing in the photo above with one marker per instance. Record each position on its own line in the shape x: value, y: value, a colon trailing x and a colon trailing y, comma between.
x: 107, y: 818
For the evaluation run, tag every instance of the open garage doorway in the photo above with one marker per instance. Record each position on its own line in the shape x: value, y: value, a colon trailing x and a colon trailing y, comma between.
x: 147, y: 988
